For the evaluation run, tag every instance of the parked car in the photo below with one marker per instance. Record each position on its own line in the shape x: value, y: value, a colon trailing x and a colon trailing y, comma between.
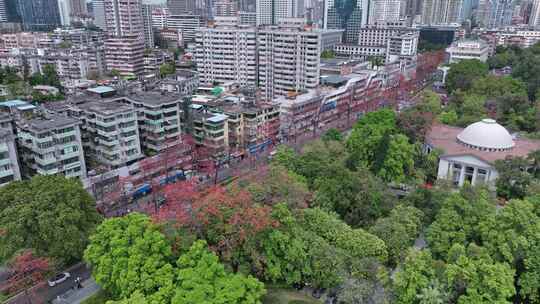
x: 59, y: 278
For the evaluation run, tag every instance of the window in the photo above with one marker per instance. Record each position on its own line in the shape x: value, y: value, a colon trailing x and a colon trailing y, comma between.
x: 456, y: 174
x: 6, y: 179
x: 481, y: 176
x: 469, y: 173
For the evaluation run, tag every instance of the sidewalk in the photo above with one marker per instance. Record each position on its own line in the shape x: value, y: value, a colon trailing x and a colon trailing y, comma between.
x: 76, y: 296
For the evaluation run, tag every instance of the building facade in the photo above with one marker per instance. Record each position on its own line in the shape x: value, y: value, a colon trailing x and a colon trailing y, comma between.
x: 468, y: 155
x: 348, y: 15
x: 51, y: 145
x: 227, y: 53
x: 269, y: 12
x: 110, y: 132
x: 9, y: 163
x: 126, y: 44
x: 384, y: 11
x: 188, y: 25
x: 468, y: 49
x: 148, y: 25
x: 38, y: 14
x: 159, y: 119
x: 442, y: 12
x: 289, y: 60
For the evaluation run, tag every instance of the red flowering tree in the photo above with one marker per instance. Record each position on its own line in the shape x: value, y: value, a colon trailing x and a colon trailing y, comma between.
x: 26, y: 271
x: 225, y: 218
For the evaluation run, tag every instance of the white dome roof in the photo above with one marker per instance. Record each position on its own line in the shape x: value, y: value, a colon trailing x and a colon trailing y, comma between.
x: 486, y: 134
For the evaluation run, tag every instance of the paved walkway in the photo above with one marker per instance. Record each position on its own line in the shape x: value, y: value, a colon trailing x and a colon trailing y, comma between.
x: 76, y: 296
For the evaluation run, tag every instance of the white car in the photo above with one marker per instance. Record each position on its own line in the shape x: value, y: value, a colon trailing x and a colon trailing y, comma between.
x: 59, y: 278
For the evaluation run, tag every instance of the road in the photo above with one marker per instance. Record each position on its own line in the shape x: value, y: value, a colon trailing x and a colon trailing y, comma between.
x: 43, y: 293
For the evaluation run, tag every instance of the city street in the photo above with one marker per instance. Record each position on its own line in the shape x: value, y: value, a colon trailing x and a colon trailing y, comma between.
x: 43, y: 293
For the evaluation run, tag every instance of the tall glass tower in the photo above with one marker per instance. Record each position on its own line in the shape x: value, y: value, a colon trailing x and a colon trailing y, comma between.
x: 39, y: 15
x: 349, y: 15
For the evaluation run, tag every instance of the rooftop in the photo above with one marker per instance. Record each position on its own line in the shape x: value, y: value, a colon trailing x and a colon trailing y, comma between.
x: 154, y: 98
x: 101, y: 90
x: 13, y: 103
x: 445, y: 137
x: 49, y: 123
x: 105, y: 108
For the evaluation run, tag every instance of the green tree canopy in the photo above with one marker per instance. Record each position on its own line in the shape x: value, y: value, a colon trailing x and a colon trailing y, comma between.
x: 130, y: 254
x: 398, y: 230
x: 513, y: 179
x: 375, y: 144
x: 414, y: 275
x: 492, y: 86
x: 203, y: 279
x: 356, y: 242
x: 357, y: 196
x: 463, y: 73
x: 458, y: 220
x: 476, y: 278
x: 53, y: 215
x: 167, y: 69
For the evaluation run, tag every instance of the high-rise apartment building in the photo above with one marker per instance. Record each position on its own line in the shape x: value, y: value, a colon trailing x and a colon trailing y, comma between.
x: 147, y: 25
x: 534, y: 19
x: 247, y: 5
x: 64, y: 7
x: 349, y: 15
x: 187, y: 24
x: 441, y: 12
x: 126, y: 44
x: 384, y: 11
x: 9, y: 163
x: 225, y: 8
x: 3, y: 11
x: 498, y: 13
x: 98, y: 11
x: 227, y: 53
x: 289, y: 60
x: 180, y: 7
x: 38, y: 14
x: 160, y: 17
x: 271, y: 11
x: 78, y: 7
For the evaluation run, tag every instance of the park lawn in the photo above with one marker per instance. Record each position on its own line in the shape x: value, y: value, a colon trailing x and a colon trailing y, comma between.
x: 287, y: 296
x: 99, y: 298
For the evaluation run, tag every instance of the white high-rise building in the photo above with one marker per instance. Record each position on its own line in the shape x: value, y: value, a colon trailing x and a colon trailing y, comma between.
x: 271, y: 11
x: 227, y: 53
x: 64, y: 7
x: 147, y: 24
x: 98, y: 8
x: 442, y: 12
x: 384, y: 11
x: 534, y: 19
x: 225, y: 8
x: 289, y: 60
x: 160, y: 17
x: 187, y: 24
x: 78, y: 7
x: 126, y: 44
x: 3, y: 11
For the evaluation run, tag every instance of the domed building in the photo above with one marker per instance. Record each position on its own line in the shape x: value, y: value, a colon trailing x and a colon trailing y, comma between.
x: 469, y: 154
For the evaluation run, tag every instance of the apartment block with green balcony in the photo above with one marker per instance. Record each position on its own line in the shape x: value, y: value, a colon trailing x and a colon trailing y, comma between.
x: 50, y: 145
x: 159, y: 120
x: 110, y: 133
x: 210, y: 130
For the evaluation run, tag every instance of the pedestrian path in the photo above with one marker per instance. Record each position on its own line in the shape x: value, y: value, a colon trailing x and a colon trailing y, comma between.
x: 76, y: 296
